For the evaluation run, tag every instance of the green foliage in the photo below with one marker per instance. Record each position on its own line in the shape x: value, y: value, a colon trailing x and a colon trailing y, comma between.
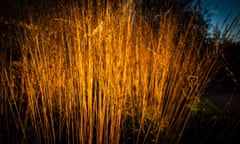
x: 205, y: 106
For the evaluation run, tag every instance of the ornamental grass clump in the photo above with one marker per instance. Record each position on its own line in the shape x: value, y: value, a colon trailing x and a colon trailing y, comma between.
x: 102, y: 74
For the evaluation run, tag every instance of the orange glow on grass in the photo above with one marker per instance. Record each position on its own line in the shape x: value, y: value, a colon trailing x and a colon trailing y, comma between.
x: 97, y: 85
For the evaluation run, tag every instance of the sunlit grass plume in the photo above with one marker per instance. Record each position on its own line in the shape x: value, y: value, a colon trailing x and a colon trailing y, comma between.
x: 102, y: 74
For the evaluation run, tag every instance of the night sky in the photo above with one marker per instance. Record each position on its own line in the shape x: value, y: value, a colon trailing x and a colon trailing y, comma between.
x: 220, y: 9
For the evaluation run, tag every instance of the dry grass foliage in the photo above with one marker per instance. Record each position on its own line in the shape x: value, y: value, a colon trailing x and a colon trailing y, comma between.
x: 98, y: 76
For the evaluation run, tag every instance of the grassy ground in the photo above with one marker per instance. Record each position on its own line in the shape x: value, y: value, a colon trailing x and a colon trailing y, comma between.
x: 102, y: 75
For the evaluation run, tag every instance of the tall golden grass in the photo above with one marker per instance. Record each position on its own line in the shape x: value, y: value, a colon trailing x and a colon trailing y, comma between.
x: 94, y: 76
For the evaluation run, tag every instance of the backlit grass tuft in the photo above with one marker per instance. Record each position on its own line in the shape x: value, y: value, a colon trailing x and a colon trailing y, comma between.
x: 103, y: 75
